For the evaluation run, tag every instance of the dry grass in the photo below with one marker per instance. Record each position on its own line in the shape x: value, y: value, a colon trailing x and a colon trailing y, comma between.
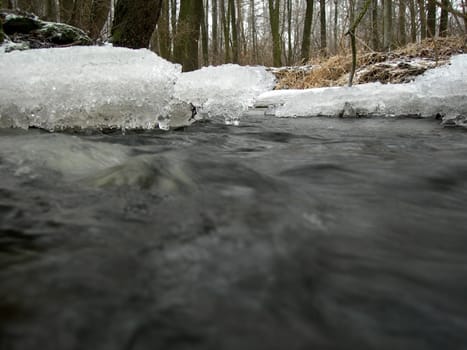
x: 393, y: 67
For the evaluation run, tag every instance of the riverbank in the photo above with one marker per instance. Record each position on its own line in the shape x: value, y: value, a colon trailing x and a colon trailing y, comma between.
x: 398, y: 66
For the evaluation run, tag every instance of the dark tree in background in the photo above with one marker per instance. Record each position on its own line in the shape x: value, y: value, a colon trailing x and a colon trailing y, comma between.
x: 134, y: 22
x: 266, y: 32
x: 274, y: 16
x: 431, y: 18
x: 443, y: 20
x: 1, y: 26
x: 187, y: 36
x: 305, y: 52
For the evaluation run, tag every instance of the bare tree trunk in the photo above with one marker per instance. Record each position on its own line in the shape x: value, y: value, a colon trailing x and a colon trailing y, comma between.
x: 242, y: 41
x: 402, y: 29
x: 374, y: 25
x: 134, y: 22
x: 253, y: 30
x: 226, y: 31
x: 66, y: 10
x: 233, y: 26
x: 275, y: 31
x: 422, y: 11
x: 336, y: 16
x: 188, y: 32
x: 431, y: 18
x: 305, y: 52
x: 351, y: 32
x: 387, y: 29
x: 51, y: 13
x: 413, y: 22
x: 173, y: 18
x: 464, y: 11
x: 215, y: 31
x: 289, y: 32
x: 163, y: 31
x: 204, y: 37
x: 99, y: 14
x: 443, y: 20
x: 322, y: 19
x: 81, y: 14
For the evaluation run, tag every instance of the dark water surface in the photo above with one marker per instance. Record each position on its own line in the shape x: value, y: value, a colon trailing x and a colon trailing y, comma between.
x: 278, y: 234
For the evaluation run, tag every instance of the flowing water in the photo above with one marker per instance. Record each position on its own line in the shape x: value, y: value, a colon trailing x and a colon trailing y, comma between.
x: 278, y: 234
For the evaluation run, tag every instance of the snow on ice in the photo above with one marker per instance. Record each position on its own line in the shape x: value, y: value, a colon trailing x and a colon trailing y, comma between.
x: 226, y: 91
x: 106, y: 87
x: 89, y: 87
x: 441, y: 91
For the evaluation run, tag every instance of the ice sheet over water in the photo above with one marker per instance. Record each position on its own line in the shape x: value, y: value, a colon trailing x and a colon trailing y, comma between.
x: 227, y: 90
x: 85, y: 87
x: 440, y: 91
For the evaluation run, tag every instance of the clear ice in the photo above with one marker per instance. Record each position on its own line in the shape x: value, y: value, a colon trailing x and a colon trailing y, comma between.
x: 85, y: 87
x: 225, y: 91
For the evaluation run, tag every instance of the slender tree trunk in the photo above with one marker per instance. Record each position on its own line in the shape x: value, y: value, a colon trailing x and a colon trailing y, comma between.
x: 464, y: 11
x: 305, y: 51
x: 353, y: 27
x: 253, y: 30
x: 66, y: 10
x: 322, y: 19
x: 226, y: 31
x: 402, y: 23
x: 289, y: 32
x: 188, y: 32
x: 134, y: 22
x: 423, y: 24
x: 204, y: 37
x: 163, y: 31
x: 233, y: 26
x: 240, y: 28
x: 443, y: 20
x: 274, y: 6
x: 173, y: 18
x: 215, y: 31
x: 336, y: 16
x: 81, y: 14
x: 431, y: 18
x: 99, y: 14
x: 275, y: 31
x: 51, y: 13
x: 374, y: 25
x: 413, y: 21
x: 387, y: 29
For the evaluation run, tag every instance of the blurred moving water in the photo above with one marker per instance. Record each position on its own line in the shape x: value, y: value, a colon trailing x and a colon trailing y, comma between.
x: 279, y: 234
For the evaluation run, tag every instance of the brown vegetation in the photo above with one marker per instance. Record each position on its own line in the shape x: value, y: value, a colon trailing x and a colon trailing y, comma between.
x: 398, y: 66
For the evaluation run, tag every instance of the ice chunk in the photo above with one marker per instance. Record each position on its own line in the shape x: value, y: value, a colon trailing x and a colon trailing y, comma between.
x: 180, y: 114
x: 225, y: 91
x: 440, y: 91
x: 81, y: 87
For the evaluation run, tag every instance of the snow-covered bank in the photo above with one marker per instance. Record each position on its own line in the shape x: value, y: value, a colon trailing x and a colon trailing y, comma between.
x: 106, y: 87
x: 440, y: 91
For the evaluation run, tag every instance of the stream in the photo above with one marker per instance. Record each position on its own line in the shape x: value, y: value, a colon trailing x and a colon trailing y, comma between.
x: 319, y: 233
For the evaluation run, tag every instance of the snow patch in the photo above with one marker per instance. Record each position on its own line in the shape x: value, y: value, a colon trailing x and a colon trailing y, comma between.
x: 441, y: 91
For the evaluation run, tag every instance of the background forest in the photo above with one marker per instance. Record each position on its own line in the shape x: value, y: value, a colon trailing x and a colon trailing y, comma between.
x: 268, y: 32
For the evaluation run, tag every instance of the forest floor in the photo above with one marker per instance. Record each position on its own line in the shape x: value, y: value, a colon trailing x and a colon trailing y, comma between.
x: 398, y: 66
